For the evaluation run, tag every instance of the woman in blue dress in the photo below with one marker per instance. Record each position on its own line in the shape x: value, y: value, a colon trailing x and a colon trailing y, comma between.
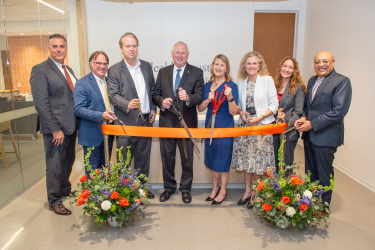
x: 218, y: 155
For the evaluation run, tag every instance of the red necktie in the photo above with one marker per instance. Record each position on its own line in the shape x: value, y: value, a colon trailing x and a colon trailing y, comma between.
x: 68, y: 78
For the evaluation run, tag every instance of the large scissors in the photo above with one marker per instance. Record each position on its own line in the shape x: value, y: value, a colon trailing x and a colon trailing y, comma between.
x: 177, y: 113
x: 215, y: 107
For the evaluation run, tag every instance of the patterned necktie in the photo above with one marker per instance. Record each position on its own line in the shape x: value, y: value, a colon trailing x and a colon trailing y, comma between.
x: 106, y: 100
x: 68, y: 78
x: 316, y: 87
x: 177, y: 82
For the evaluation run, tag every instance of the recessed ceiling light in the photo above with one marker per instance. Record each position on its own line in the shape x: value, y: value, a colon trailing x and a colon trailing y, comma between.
x: 49, y: 32
x: 22, y: 33
x: 53, y: 7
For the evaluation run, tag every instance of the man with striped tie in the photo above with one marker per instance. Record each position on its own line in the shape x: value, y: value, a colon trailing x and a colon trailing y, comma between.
x: 327, y: 102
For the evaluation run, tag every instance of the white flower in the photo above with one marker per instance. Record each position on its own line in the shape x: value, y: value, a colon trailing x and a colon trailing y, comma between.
x: 106, y: 205
x: 290, y: 211
x: 307, y: 194
x: 142, y: 192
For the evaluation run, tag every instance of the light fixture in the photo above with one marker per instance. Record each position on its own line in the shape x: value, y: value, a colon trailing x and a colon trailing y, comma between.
x: 49, y: 32
x: 22, y: 33
x: 53, y: 7
x: 14, y: 236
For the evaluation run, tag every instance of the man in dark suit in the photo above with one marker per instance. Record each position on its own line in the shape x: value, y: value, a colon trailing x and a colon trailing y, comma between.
x: 327, y: 102
x: 91, y: 104
x: 130, y: 88
x: 190, y: 84
x: 52, y: 84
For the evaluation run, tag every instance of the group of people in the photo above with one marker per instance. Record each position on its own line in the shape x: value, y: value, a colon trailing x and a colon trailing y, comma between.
x: 129, y: 95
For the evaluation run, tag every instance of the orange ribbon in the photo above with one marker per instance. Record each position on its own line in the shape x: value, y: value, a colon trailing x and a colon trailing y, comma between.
x: 196, y: 132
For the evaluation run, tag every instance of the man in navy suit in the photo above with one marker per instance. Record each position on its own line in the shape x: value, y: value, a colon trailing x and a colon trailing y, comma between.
x: 91, y: 104
x: 327, y: 102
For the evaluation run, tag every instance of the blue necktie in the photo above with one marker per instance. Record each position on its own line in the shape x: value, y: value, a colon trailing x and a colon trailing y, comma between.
x: 177, y: 82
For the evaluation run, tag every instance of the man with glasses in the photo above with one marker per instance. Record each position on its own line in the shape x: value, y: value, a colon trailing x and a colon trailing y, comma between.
x: 130, y: 87
x: 327, y: 102
x: 91, y: 105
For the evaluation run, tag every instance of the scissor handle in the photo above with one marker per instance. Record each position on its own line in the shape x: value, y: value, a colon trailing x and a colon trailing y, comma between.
x: 214, y: 103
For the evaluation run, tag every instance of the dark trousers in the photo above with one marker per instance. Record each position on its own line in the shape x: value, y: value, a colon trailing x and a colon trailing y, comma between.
x: 319, y: 161
x: 97, y: 158
x: 59, y: 163
x: 168, y: 158
x: 140, y: 148
x: 289, y: 148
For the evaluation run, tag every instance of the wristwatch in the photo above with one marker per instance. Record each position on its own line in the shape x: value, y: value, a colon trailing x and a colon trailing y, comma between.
x: 230, y: 99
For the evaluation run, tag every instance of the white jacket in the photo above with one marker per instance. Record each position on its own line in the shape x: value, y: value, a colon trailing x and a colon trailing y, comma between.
x: 265, y: 97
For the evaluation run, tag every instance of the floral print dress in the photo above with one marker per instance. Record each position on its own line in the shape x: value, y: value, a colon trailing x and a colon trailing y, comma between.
x: 253, y: 153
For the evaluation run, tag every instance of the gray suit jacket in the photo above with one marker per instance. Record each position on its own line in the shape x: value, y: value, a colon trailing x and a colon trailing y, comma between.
x: 53, y: 98
x: 293, y: 108
x: 328, y: 109
x: 121, y: 90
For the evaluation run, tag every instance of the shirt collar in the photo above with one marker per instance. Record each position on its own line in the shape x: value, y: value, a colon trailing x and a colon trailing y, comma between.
x: 97, y: 78
x: 57, y: 63
x: 137, y: 65
x: 182, y: 69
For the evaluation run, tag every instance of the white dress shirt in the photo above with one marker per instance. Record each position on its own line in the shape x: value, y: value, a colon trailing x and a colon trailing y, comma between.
x: 59, y: 65
x: 140, y: 85
x: 175, y: 74
x: 100, y: 85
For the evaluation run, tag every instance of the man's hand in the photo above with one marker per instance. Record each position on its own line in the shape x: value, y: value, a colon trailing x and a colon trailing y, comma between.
x: 167, y: 103
x: 299, y: 122
x: 152, y: 116
x: 58, y: 138
x: 304, y: 126
x: 134, y: 104
x: 182, y: 94
x: 108, y: 115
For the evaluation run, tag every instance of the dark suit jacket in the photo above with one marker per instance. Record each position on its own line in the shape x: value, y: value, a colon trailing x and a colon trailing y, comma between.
x: 121, y: 90
x: 53, y: 98
x: 293, y: 108
x: 192, y: 82
x: 89, y: 106
x: 328, y: 109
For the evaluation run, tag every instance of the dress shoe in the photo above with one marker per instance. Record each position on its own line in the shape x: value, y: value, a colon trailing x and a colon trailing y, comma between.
x: 214, y: 202
x: 150, y: 195
x: 165, y: 195
x: 186, y: 196
x: 243, y: 202
x: 60, y: 210
x: 217, y: 193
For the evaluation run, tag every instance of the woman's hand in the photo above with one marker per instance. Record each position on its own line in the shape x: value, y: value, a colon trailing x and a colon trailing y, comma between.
x: 243, y: 117
x: 255, y: 120
x: 211, y: 96
x: 228, y: 92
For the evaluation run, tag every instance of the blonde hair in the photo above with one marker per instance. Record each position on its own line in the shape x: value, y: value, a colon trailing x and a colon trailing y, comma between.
x: 228, y: 77
x: 295, y: 80
x: 128, y: 34
x: 263, y: 70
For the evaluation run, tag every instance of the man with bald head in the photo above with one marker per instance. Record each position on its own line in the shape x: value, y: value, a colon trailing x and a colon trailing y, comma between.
x: 327, y: 102
x: 188, y: 80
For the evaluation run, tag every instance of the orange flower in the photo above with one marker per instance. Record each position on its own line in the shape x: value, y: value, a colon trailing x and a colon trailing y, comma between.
x: 266, y: 207
x: 81, y: 200
x: 285, y: 199
x: 114, y: 195
x: 124, y: 202
x: 85, y: 193
x: 97, y: 171
x: 303, y: 206
x: 126, y: 180
x: 139, y: 201
x: 260, y: 185
x: 315, y: 188
x: 297, y: 181
x: 83, y: 178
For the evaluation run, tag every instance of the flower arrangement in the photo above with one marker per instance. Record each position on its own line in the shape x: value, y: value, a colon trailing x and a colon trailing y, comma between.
x: 112, y: 193
x: 283, y: 199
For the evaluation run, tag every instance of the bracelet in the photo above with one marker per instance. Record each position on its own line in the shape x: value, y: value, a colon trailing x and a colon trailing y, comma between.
x: 263, y: 117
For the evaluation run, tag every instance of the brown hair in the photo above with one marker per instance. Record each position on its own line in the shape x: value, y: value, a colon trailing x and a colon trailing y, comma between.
x: 228, y: 77
x: 295, y: 80
x: 128, y: 34
x: 95, y: 54
x: 263, y: 70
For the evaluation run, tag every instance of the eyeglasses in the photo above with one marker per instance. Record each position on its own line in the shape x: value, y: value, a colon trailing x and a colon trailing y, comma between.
x: 324, y: 62
x: 101, y: 64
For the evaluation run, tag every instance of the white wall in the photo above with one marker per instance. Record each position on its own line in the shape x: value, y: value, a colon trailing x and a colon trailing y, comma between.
x: 346, y: 28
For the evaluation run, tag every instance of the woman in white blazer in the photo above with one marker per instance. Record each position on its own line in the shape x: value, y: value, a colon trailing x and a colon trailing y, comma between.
x: 257, y: 105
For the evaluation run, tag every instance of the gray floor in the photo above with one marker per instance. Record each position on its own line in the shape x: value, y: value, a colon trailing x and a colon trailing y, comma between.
x: 174, y: 225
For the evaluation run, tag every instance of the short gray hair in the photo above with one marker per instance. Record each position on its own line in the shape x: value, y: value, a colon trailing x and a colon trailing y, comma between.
x: 56, y: 36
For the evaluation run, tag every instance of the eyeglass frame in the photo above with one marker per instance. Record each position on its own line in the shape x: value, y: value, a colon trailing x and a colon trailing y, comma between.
x: 101, y: 64
x: 322, y: 62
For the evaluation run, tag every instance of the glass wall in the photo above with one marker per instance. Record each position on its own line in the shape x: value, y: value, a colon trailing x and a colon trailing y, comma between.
x: 24, y: 30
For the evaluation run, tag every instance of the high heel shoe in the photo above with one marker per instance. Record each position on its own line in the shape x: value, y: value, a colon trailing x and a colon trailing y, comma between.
x: 217, y: 193
x: 251, y: 204
x: 218, y: 202
x: 243, y: 202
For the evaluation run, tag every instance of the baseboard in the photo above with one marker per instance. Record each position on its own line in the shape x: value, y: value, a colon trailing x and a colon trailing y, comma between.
x: 201, y: 185
x: 354, y: 177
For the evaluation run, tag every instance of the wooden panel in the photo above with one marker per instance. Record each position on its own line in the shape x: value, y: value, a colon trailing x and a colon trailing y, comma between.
x: 274, y: 37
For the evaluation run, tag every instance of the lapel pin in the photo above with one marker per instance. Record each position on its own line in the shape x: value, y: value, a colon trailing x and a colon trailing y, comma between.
x: 188, y: 71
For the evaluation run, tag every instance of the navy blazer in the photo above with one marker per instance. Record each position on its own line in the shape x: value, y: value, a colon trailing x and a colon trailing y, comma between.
x: 328, y: 109
x: 89, y: 106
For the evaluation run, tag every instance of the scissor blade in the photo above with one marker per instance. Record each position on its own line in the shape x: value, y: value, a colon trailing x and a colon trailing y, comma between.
x: 212, y: 127
x: 190, y: 135
x: 288, y: 130
x: 208, y: 125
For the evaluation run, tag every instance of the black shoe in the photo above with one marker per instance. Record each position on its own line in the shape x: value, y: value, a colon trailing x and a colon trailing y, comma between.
x: 218, y: 202
x: 250, y: 205
x: 186, y: 196
x: 211, y: 199
x: 150, y: 195
x: 165, y: 195
x: 243, y: 202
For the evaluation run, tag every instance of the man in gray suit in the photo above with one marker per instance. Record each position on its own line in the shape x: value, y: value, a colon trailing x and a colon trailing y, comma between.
x: 52, y: 84
x: 130, y: 88
x: 327, y: 102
